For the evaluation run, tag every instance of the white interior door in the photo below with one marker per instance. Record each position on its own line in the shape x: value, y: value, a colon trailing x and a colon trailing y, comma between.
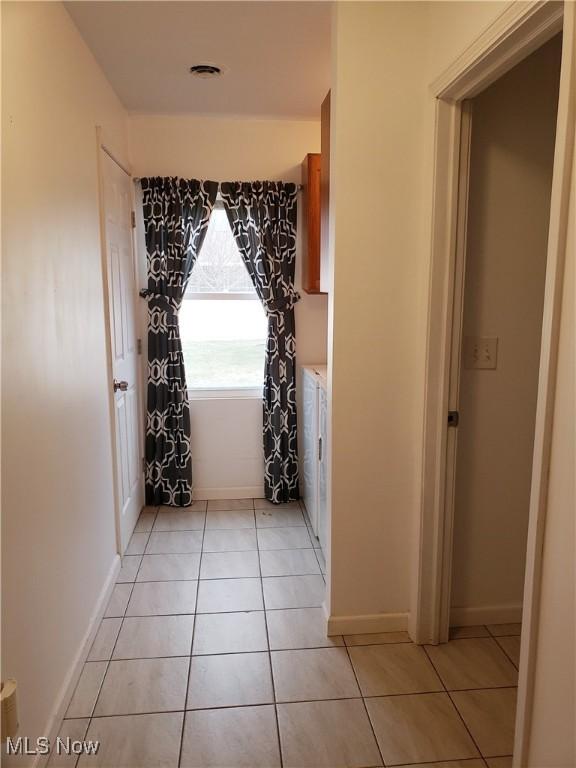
x: 122, y: 291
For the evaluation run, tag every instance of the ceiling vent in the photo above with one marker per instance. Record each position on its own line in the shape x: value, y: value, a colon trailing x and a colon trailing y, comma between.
x: 205, y: 70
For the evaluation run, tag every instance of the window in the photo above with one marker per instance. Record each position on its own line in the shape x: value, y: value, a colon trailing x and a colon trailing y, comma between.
x: 222, y: 323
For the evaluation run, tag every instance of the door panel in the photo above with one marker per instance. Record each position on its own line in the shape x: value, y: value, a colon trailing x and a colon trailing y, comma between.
x: 122, y: 287
x: 131, y: 400
x: 122, y: 452
x: 129, y: 283
x: 116, y: 300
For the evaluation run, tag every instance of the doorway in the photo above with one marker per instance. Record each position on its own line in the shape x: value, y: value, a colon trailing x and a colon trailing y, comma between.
x: 120, y: 292
x: 518, y: 33
x: 497, y: 335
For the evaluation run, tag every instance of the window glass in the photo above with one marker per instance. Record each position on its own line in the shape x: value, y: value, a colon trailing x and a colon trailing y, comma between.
x: 222, y: 323
x: 219, y: 267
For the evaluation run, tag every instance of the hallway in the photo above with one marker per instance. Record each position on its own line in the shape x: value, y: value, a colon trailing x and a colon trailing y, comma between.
x: 212, y: 653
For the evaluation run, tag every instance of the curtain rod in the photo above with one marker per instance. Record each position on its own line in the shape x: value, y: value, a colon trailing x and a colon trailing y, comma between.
x: 298, y: 186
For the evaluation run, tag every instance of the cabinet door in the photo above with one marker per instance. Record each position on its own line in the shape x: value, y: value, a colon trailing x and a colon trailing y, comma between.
x: 310, y: 447
x: 310, y: 223
x: 322, y: 469
x: 325, y: 196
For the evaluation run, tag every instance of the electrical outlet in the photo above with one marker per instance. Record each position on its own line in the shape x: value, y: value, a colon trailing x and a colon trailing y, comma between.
x: 480, y: 352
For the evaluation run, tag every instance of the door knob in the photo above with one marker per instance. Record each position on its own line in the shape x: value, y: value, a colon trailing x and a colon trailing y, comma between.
x: 120, y: 385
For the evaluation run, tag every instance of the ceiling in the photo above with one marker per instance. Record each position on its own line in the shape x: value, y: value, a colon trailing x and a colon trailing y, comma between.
x: 275, y: 55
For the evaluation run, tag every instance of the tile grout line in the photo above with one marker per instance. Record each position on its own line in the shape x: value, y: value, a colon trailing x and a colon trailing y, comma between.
x: 364, y: 703
x: 281, y: 756
x: 312, y: 537
x: 219, y: 706
x: 84, y: 734
x: 292, y: 701
x: 452, y: 702
x: 500, y: 650
x: 505, y: 652
x: 316, y: 550
x: 213, y: 613
x: 435, y: 762
x: 192, y: 639
x: 232, y: 528
x: 93, y: 710
x: 511, y: 634
x: 225, y: 551
x: 252, y: 578
x: 219, y: 578
x: 292, y: 650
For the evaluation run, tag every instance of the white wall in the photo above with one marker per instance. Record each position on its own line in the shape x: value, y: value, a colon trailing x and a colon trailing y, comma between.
x: 227, y: 434
x: 452, y: 26
x: 58, y: 533
x: 552, y: 741
x: 375, y: 388
x: 383, y: 129
x: 227, y: 451
x: 513, y: 132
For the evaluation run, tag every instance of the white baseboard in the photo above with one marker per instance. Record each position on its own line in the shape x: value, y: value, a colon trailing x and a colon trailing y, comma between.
x: 367, y: 624
x: 486, y: 614
x: 71, y: 679
x: 240, y: 492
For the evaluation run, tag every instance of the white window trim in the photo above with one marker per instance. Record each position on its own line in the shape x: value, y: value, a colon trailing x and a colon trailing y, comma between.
x: 225, y: 393
x: 228, y: 296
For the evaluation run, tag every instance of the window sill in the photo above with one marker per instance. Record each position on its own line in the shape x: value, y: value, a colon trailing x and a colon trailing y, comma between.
x: 226, y: 393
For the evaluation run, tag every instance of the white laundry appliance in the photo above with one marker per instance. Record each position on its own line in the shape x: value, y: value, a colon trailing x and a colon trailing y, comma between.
x: 314, y: 466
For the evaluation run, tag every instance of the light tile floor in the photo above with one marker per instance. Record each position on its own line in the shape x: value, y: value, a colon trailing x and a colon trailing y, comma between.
x: 212, y: 654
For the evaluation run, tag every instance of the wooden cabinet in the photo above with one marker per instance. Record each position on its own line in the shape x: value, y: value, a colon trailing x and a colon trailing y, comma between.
x: 325, y: 194
x: 311, y: 223
x: 315, y: 203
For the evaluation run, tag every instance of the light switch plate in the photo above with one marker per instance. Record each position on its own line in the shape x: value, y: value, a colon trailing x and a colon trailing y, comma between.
x: 480, y: 352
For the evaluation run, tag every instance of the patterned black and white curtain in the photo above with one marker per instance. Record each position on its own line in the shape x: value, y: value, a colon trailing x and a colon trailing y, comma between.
x: 262, y: 216
x: 176, y: 215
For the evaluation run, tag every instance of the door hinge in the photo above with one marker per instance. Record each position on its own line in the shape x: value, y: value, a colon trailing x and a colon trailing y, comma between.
x: 139, y: 346
x: 133, y: 219
x: 453, y: 418
x: 319, y: 449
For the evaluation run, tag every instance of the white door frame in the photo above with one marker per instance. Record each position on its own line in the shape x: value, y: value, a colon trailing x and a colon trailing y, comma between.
x: 103, y: 147
x: 517, y: 32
